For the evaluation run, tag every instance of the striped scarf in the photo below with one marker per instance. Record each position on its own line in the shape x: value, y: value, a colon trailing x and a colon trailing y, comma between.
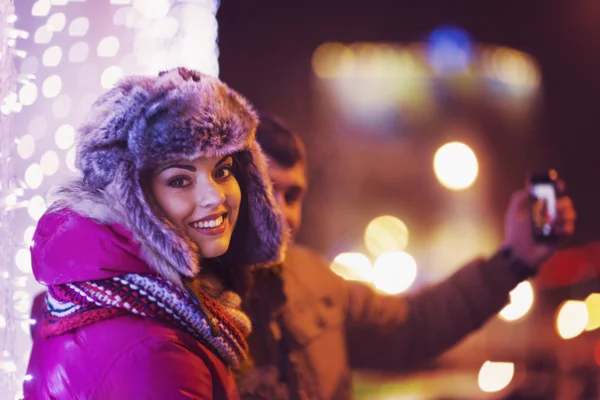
x: 72, y: 305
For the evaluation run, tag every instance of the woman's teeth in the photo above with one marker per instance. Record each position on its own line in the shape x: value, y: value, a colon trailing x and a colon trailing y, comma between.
x: 208, y: 224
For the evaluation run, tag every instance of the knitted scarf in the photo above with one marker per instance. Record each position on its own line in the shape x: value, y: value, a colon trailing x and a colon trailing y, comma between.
x: 72, y: 305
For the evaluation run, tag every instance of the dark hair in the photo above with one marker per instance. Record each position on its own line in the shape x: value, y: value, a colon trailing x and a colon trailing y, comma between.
x: 278, y: 142
x: 230, y: 268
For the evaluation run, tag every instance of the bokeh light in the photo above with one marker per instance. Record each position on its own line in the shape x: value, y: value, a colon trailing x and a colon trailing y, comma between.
x: 41, y: 8
x: 394, y: 272
x: 455, y: 166
x: 26, y: 146
x: 353, y: 267
x: 79, y: 27
x: 329, y: 59
x: 28, y: 235
x: 28, y: 94
x: 23, y: 260
x: 110, y: 76
x: 495, y: 376
x: 592, y: 302
x: 513, y: 68
x: 37, y: 207
x: 34, y: 176
x: 571, y: 319
x: 50, y: 163
x: 78, y: 53
x: 70, y: 159
x: 449, y: 50
x: 64, y: 136
x: 42, y: 35
x: 56, y: 22
x: 52, y: 56
x: 385, y: 233
x: 521, y: 300
x: 108, y: 47
x: 52, y: 86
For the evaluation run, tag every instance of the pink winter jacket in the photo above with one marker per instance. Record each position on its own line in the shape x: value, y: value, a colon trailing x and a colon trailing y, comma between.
x: 126, y: 357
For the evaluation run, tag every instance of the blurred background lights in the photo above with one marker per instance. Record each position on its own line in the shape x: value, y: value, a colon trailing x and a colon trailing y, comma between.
x: 25, y: 146
x: 449, y: 50
x: 52, y: 56
x: 8, y: 366
x: 28, y: 94
x: 49, y: 163
x: 495, y: 376
x: 592, y: 302
x: 455, y: 166
x: 120, y: 16
x: 79, y: 26
x: 64, y: 136
x: 56, y: 22
x: 394, y: 272
x: 108, y: 47
x: 42, y: 35
x: 385, y: 234
x: 78, y: 53
x: 329, y: 58
x: 513, y: 68
x: 37, y: 207
x: 41, y: 8
x: 28, y: 235
x: 152, y: 9
x: 167, y: 28
x: 110, y: 76
x: 521, y: 300
x: 70, y: 159
x: 22, y: 301
x: 52, y: 86
x: 353, y: 267
x: 10, y: 200
x: 23, y: 260
x: 34, y: 176
x: 571, y: 319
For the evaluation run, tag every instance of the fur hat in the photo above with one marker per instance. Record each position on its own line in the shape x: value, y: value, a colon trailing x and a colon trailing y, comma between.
x: 146, y: 121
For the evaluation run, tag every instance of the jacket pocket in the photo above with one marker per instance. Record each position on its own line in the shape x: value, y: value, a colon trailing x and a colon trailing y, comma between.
x: 308, y: 320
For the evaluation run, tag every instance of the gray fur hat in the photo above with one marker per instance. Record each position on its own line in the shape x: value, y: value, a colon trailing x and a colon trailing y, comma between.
x: 146, y: 121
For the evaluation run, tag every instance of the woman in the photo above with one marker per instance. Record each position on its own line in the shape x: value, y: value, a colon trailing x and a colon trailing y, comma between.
x: 173, y: 191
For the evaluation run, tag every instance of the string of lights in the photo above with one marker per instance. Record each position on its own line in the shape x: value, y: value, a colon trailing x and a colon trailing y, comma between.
x: 10, y: 190
x: 77, y: 50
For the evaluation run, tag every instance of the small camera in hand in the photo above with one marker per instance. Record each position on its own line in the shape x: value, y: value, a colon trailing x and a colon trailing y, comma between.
x: 543, y: 188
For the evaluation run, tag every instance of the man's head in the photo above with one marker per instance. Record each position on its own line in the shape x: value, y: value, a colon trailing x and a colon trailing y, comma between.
x: 286, y: 164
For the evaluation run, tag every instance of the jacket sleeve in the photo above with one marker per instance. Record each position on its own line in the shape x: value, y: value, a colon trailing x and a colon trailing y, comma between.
x: 156, y: 369
x: 399, y: 332
x: 37, y: 313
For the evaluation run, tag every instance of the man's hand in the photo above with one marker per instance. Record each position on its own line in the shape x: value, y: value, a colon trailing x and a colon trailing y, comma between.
x: 519, y: 231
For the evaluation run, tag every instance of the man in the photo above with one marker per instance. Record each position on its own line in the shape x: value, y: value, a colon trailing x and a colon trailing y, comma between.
x: 311, y: 328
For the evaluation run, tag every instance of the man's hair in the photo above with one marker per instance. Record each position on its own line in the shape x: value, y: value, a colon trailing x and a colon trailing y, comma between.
x: 278, y: 142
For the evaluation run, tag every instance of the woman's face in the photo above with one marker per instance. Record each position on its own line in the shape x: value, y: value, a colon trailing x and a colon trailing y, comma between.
x: 202, y: 198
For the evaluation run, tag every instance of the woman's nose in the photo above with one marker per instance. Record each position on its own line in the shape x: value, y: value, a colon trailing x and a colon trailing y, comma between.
x: 210, y: 195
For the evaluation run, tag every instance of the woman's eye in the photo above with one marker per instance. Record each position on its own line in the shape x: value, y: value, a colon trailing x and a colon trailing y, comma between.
x: 223, y: 172
x: 178, y: 182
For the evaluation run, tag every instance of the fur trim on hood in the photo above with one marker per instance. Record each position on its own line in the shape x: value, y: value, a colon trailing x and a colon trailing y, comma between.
x: 147, y: 121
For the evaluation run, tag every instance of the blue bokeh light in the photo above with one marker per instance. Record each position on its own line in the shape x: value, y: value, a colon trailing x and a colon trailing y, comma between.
x: 449, y: 50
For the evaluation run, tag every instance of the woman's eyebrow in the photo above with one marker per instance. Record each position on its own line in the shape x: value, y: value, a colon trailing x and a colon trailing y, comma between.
x: 190, y: 168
